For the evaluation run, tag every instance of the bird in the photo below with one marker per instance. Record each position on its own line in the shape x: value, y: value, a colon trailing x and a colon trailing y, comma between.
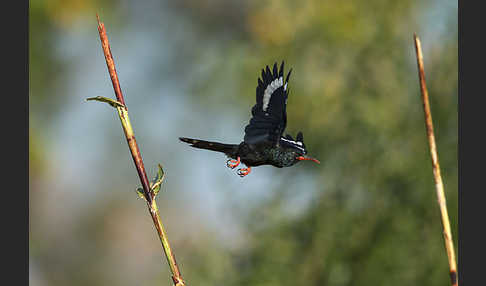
x: 263, y: 142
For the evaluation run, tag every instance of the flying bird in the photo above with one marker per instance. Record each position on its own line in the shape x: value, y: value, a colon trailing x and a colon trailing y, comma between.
x: 264, y: 143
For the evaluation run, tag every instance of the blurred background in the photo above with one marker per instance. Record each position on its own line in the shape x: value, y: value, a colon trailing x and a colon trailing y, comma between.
x: 368, y: 215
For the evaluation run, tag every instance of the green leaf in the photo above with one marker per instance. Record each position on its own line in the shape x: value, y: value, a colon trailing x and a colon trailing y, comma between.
x: 112, y: 102
x: 140, y: 193
x: 157, y: 182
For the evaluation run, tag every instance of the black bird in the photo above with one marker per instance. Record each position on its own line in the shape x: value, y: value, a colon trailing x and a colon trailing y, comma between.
x: 264, y: 143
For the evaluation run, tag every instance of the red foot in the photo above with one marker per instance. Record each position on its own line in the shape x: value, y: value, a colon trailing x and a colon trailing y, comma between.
x: 233, y: 163
x: 243, y: 172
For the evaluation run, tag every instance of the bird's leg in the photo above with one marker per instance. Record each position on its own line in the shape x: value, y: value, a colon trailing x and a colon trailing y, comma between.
x: 244, y: 171
x: 233, y: 163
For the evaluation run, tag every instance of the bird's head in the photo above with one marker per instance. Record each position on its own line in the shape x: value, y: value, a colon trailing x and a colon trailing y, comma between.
x: 297, y: 147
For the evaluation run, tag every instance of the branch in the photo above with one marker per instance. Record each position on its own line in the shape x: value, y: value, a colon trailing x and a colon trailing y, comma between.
x: 148, y: 191
x: 449, y: 245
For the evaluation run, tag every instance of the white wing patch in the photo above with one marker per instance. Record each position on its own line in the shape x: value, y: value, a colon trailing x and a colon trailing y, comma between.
x: 270, y: 89
x: 297, y: 144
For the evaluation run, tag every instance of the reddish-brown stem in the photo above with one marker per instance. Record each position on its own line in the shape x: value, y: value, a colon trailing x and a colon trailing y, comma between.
x: 109, y: 61
x: 137, y: 158
x: 132, y: 142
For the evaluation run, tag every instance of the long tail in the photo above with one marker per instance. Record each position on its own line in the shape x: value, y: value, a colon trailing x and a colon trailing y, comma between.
x: 228, y: 149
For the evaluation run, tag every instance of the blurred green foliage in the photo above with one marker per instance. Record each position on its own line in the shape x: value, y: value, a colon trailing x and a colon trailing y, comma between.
x: 354, y: 93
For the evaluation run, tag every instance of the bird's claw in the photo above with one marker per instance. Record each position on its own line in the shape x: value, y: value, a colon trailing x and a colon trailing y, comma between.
x: 244, y: 171
x: 233, y: 163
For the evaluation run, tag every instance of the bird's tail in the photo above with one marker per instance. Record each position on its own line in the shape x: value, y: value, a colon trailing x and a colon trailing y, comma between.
x: 228, y: 149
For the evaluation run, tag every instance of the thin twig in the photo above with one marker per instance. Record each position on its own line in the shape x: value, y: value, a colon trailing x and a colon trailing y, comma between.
x: 137, y: 158
x: 449, y: 245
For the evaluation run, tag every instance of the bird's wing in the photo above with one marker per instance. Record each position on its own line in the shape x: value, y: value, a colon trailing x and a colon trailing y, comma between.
x: 269, y: 115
